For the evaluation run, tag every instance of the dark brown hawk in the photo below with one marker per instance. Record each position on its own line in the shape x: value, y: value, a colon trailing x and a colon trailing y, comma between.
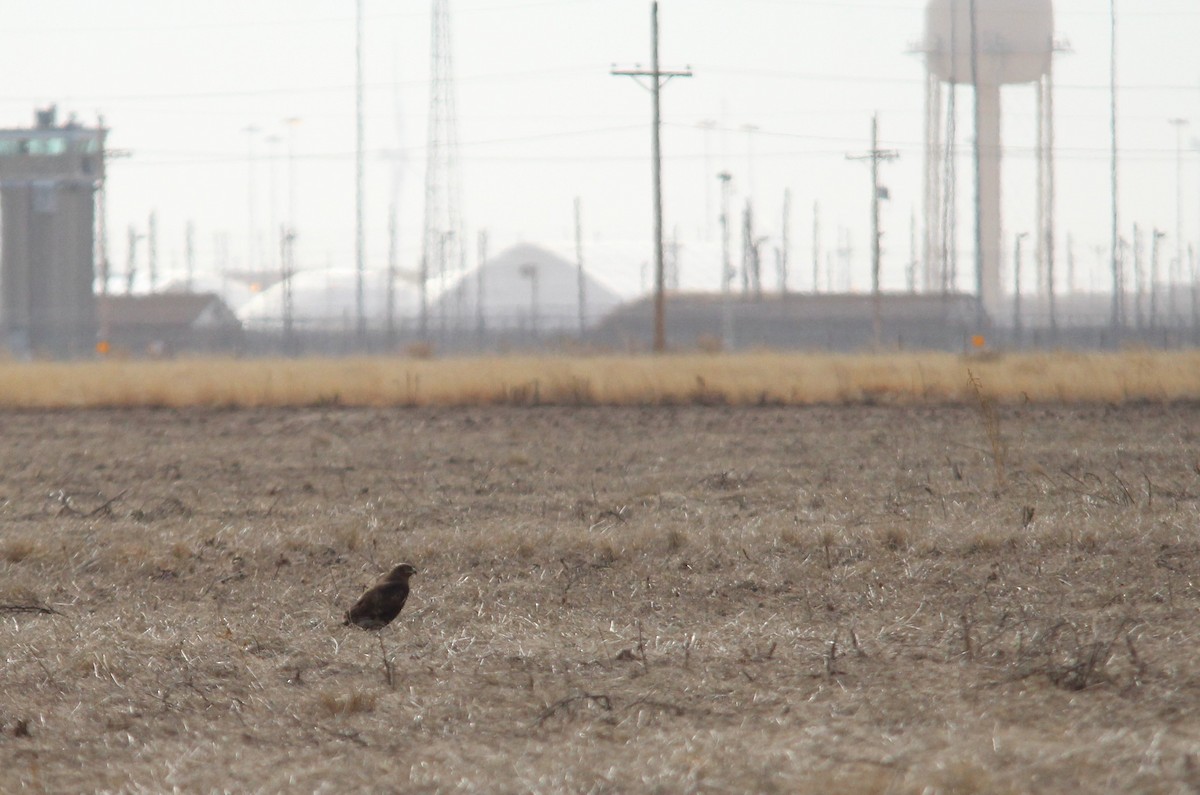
x: 376, y: 608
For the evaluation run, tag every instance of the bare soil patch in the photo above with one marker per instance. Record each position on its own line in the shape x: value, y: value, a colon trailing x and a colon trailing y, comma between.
x: 864, y: 599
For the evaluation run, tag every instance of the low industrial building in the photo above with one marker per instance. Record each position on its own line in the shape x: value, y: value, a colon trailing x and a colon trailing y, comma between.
x: 166, y: 324
x: 830, y: 322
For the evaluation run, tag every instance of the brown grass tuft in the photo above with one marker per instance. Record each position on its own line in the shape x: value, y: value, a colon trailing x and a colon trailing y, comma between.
x: 341, y: 705
x: 16, y: 550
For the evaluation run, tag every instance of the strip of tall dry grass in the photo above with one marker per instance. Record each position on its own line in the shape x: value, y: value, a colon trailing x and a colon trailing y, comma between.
x: 745, y: 379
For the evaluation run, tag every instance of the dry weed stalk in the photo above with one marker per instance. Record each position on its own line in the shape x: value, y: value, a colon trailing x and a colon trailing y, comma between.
x: 1069, y: 661
x: 29, y: 609
x: 831, y: 655
x: 566, y: 703
x: 991, y: 427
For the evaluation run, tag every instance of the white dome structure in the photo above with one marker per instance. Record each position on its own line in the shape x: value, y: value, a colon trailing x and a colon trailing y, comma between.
x: 525, y: 287
x: 327, y: 300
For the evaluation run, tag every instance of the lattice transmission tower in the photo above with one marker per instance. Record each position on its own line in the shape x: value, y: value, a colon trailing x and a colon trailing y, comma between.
x: 443, y: 244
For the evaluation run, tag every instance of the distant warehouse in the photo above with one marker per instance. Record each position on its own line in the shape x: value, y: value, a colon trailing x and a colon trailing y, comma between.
x: 829, y: 321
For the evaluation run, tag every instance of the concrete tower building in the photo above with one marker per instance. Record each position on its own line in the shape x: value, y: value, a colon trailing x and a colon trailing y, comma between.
x: 987, y: 44
x: 48, y: 178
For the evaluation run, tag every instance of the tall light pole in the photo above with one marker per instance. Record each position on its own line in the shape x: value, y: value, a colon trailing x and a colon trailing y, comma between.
x: 1115, y: 242
x: 359, y: 233
x: 1154, y: 276
x: 1180, y: 246
x: 726, y: 268
x: 750, y: 129
x: 530, y: 271
x: 292, y: 123
x: 288, y: 244
x: 581, y: 284
x: 707, y: 125
x: 251, y: 131
x: 274, y: 236
x: 1017, y: 329
x: 658, y: 78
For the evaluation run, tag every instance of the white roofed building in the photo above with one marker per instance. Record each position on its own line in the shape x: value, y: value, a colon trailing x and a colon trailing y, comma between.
x: 526, y: 289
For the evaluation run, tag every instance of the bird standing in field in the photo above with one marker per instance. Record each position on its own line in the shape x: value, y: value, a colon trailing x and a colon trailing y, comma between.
x: 376, y: 608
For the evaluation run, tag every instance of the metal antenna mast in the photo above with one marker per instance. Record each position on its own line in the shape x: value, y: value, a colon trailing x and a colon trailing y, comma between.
x: 579, y: 264
x: 1115, y: 245
x: 443, y: 240
x: 152, y: 250
x: 359, y: 233
x: 189, y: 254
x: 659, y: 78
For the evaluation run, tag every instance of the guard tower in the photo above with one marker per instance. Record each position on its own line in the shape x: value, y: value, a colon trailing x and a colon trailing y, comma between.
x: 48, y: 179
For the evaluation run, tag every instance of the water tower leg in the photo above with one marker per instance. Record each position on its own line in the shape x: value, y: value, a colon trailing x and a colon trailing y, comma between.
x: 988, y: 193
x: 1039, y: 234
x: 932, y: 264
x: 1048, y: 229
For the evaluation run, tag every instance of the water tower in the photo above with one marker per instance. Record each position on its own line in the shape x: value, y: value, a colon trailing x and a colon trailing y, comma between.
x: 48, y: 178
x: 986, y: 44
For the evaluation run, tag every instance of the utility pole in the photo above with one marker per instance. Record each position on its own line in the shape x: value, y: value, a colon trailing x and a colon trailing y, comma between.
x: 816, y: 248
x: 270, y: 263
x: 750, y: 129
x: 726, y: 267
x: 750, y: 264
x: 189, y: 255
x: 875, y: 155
x: 1177, y: 263
x: 707, y: 125
x: 658, y: 78
x: 131, y: 263
x: 288, y: 254
x: 785, y: 242
x: 359, y: 232
x: 102, y: 235
x: 1115, y: 245
x: 1017, y: 289
x: 912, y: 252
x: 1138, y: 277
x: 1070, y: 264
x: 392, y: 261
x: 288, y: 264
x: 1154, y: 277
x: 579, y: 264
x: 152, y: 249
x: 251, y: 132
x: 480, y: 316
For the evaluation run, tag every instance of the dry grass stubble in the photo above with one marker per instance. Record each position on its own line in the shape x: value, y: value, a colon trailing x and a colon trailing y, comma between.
x: 744, y: 379
x: 609, y: 600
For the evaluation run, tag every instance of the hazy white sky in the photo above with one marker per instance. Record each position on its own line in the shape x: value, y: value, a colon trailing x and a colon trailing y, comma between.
x: 542, y: 121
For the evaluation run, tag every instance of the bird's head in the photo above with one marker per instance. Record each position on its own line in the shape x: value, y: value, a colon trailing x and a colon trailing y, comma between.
x: 402, y: 572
